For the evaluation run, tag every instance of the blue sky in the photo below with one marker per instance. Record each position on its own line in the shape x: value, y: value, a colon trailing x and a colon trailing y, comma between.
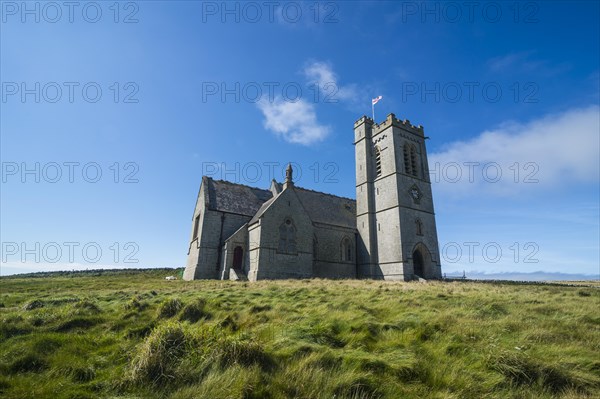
x: 152, y: 94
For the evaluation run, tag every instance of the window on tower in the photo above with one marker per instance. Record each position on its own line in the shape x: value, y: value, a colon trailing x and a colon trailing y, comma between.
x: 419, y: 226
x: 413, y: 160
x: 410, y: 159
x: 406, y: 159
x: 378, y: 161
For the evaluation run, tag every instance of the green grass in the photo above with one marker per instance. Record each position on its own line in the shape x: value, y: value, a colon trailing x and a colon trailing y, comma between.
x: 135, y: 335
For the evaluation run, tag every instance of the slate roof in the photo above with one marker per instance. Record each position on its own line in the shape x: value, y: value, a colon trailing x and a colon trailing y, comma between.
x: 262, y: 210
x: 235, y: 198
x: 328, y: 208
x: 251, y: 201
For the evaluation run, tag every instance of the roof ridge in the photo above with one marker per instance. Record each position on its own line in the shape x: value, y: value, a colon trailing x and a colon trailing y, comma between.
x: 237, y: 184
x: 296, y: 187
x: 324, y: 193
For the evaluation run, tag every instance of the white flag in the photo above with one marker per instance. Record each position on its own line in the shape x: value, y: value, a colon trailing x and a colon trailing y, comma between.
x: 376, y: 100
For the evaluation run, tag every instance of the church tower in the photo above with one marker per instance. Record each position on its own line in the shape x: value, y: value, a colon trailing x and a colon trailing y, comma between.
x: 397, y: 236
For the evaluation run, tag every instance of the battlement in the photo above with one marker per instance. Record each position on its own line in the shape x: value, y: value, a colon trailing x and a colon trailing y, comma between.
x: 363, y: 119
x: 391, y: 120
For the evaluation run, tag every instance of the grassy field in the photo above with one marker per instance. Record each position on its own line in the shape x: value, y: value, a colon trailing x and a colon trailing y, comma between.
x: 135, y: 335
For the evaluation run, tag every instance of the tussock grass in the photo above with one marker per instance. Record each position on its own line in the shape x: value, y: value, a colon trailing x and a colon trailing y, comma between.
x: 78, y: 323
x: 242, y: 350
x: 12, y: 326
x: 35, y: 304
x: 76, y: 370
x: 169, y: 307
x: 194, y: 311
x: 86, y: 306
x: 141, y: 332
x: 135, y: 304
x: 133, y: 335
x: 46, y: 344
x: 234, y: 382
x: 523, y: 371
x: 326, y: 333
x: 174, y: 351
x: 4, y: 384
x: 157, y: 357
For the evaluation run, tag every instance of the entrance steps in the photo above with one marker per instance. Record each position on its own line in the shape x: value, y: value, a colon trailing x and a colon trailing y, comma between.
x: 237, y: 275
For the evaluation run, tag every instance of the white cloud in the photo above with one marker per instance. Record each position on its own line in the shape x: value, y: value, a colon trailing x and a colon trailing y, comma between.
x: 296, y: 122
x: 556, y: 150
x: 322, y: 74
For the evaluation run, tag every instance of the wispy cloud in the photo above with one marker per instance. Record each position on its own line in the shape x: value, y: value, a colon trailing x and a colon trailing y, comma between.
x: 556, y: 150
x: 524, y: 62
x: 321, y: 74
x: 509, y: 61
x: 296, y: 122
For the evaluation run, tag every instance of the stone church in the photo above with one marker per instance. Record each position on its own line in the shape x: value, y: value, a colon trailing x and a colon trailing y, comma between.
x: 388, y: 232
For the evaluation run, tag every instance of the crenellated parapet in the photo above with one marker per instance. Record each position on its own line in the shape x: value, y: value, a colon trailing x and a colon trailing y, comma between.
x: 363, y: 119
x: 391, y: 120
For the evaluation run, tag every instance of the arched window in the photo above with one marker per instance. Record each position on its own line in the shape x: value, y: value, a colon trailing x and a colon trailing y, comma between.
x: 287, y: 237
x: 410, y: 159
x: 378, y: 161
x: 407, y: 165
x: 347, y: 250
x: 413, y: 160
x: 419, y: 226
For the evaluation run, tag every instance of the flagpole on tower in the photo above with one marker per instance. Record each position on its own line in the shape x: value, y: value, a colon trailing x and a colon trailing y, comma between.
x: 373, y: 102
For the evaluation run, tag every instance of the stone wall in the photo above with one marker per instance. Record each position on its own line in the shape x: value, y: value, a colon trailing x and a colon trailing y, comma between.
x: 237, y: 239
x: 273, y: 263
x: 387, y: 210
x: 191, y: 271
x: 328, y: 262
x: 204, y: 253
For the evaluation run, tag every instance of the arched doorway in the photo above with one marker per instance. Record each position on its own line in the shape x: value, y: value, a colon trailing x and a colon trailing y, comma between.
x: 238, y: 257
x: 418, y: 263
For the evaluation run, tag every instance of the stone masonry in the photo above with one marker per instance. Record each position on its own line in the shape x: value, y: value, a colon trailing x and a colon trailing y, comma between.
x: 389, y: 232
